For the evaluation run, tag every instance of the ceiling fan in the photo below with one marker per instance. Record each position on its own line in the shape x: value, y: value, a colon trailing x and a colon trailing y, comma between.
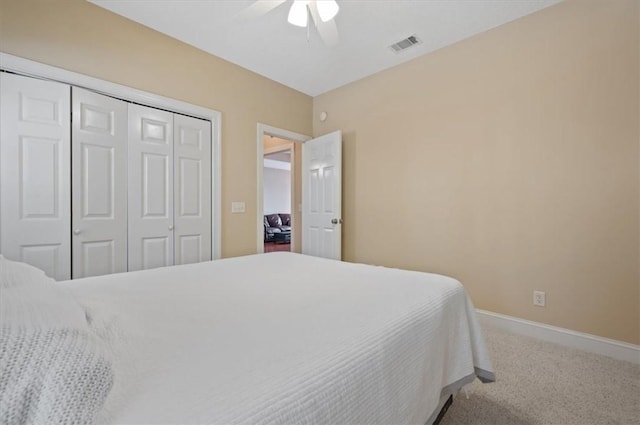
x: 302, y: 13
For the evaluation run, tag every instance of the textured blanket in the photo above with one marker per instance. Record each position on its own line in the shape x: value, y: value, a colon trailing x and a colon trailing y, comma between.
x: 51, y: 377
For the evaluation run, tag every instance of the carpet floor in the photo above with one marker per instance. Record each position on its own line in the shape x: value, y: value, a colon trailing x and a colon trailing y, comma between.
x: 543, y: 383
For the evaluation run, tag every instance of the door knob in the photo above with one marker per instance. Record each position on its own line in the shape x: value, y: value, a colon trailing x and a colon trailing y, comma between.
x: 336, y: 221
x: 76, y: 231
x: 170, y: 227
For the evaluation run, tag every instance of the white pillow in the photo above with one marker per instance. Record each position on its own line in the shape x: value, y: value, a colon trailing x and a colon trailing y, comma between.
x: 14, y: 273
x: 30, y: 298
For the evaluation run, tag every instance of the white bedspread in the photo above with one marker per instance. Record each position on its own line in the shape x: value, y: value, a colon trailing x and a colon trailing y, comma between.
x: 283, y: 338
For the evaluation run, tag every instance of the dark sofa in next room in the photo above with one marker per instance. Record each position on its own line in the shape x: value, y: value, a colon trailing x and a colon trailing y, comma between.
x: 276, y: 223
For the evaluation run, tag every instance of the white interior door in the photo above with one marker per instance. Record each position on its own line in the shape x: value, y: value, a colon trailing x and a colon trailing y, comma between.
x: 99, y: 184
x: 34, y: 173
x: 322, y: 196
x: 150, y: 183
x: 192, y: 189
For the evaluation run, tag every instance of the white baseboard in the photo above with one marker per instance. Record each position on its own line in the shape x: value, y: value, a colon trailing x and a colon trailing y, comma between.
x: 583, y: 341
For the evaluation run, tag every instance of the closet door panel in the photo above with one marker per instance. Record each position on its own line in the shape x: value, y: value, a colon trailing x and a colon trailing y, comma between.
x: 150, y: 188
x: 99, y: 184
x: 192, y: 209
x: 34, y: 173
x: 156, y: 252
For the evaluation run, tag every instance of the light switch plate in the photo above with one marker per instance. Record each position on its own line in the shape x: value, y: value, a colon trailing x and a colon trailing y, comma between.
x: 237, y: 207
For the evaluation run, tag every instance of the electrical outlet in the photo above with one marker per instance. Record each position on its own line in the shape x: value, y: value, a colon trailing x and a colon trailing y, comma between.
x: 539, y: 298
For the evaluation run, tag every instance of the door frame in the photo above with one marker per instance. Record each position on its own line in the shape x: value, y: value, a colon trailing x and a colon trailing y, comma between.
x: 39, y: 70
x: 262, y: 131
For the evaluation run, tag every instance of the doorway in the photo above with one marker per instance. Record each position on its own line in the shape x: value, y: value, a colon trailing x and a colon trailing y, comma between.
x: 272, y: 146
x: 278, y: 184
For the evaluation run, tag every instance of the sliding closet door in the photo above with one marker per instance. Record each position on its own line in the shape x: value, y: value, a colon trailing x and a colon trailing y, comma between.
x: 192, y: 189
x: 34, y: 173
x: 99, y: 184
x: 150, y: 188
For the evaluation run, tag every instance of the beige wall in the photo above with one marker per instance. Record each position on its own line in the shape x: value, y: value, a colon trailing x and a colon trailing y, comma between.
x: 509, y: 161
x: 81, y: 37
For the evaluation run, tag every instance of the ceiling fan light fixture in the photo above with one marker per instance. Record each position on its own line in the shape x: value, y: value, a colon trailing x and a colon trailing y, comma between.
x: 327, y: 9
x: 298, y: 14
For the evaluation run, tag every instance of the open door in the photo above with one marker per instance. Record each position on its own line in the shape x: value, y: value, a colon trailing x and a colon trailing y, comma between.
x: 322, y: 196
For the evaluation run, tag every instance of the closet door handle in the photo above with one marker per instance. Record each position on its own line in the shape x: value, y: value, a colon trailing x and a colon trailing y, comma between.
x: 171, y: 227
x: 76, y: 231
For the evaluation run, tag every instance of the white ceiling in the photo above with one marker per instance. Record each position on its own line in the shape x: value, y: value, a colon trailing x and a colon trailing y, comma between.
x: 268, y: 45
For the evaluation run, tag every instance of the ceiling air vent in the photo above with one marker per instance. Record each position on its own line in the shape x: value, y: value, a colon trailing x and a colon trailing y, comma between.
x: 405, y: 44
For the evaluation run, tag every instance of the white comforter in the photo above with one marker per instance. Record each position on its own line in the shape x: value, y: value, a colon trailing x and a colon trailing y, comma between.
x: 282, y: 338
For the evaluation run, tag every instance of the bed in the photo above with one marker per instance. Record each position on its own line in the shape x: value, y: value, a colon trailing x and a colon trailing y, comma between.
x: 269, y: 338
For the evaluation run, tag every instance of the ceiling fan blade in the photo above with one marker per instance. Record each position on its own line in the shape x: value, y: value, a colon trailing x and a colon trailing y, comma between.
x: 328, y: 31
x: 257, y: 9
